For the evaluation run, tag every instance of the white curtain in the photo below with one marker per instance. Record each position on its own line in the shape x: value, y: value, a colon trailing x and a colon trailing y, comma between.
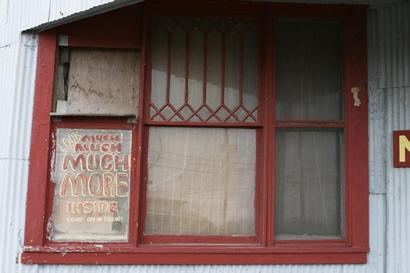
x: 201, y: 181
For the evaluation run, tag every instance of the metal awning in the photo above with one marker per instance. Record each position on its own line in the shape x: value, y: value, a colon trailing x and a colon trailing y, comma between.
x: 116, y: 4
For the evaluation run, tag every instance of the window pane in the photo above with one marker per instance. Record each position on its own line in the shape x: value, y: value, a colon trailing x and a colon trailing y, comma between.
x: 159, y: 67
x: 201, y: 181
x: 309, y: 70
x: 232, y: 70
x: 309, y: 184
x: 212, y: 66
x: 91, y: 174
x: 177, y: 66
x: 214, y: 70
x: 250, y: 76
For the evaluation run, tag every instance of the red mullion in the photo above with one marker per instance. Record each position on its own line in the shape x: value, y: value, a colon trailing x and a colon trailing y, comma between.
x: 143, y: 113
x: 145, y: 99
x: 205, y: 124
x: 270, y: 155
x: 283, y: 244
x: 199, y: 239
x: 262, y: 176
x: 40, y: 141
x: 73, y: 122
x: 347, y: 63
x: 260, y: 188
x: 309, y: 124
x: 143, y: 185
x: 356, y: 135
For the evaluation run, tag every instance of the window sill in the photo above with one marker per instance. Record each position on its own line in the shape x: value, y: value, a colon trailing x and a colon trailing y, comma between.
x: 180, y: 255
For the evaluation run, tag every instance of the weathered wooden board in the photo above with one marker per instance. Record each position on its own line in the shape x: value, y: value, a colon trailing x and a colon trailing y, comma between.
x: 103, y: 81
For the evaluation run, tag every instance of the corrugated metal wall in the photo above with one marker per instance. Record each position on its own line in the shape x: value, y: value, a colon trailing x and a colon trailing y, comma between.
x: 394, y: 71
x: 389, y: 84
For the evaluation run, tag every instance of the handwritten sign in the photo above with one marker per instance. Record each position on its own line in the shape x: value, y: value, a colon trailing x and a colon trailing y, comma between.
x: 401, y: 147
x: 91, y: 173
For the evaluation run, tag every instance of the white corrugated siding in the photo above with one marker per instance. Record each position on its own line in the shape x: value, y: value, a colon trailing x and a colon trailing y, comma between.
x: 394, y: 47
x: 389, y: 61
x: 394, y: 84
x: 398, y: 185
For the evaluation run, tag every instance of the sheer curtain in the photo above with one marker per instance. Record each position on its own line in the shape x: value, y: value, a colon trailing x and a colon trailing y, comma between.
x: 309, y: 162
x: 212, y: 68
x: 201, y: 181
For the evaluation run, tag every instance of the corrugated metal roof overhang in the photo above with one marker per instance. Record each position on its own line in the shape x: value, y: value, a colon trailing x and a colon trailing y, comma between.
x: 96, y: 10
x: 116, y: 4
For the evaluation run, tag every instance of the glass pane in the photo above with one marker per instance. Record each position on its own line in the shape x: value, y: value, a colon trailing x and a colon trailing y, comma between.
x: 309, y: 70
x: 196, y: 69
x: 232, y: 70
x: 309, y: 184
x: 159, y: 67
x: 177, y: 76
x: 212, y: 69
x: 91, y: 174
x: 250, y: 72
x: 201, y: 181
x: 214, y: 73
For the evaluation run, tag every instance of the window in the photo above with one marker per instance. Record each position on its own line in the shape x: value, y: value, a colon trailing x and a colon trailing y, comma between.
x: 213, y: 134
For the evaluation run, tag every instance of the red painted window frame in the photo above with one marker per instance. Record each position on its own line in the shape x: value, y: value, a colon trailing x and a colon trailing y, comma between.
x: 264, y: 250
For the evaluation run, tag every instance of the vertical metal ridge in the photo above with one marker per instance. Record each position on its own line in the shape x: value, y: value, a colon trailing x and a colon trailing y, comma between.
x: 376, y: 110
x: 394, y: 26
x: 20, y: 130
x: 14, y: 173
x: 8, y: 66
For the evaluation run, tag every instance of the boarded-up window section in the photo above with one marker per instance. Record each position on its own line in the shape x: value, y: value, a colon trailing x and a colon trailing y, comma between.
x: 97, y: 82
x: 91, y: 175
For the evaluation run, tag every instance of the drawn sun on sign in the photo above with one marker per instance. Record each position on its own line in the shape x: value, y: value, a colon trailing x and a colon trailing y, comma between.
x: 69, y: 142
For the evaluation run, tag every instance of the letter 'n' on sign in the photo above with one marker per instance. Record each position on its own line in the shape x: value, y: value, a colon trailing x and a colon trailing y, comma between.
x: 401, y: 149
